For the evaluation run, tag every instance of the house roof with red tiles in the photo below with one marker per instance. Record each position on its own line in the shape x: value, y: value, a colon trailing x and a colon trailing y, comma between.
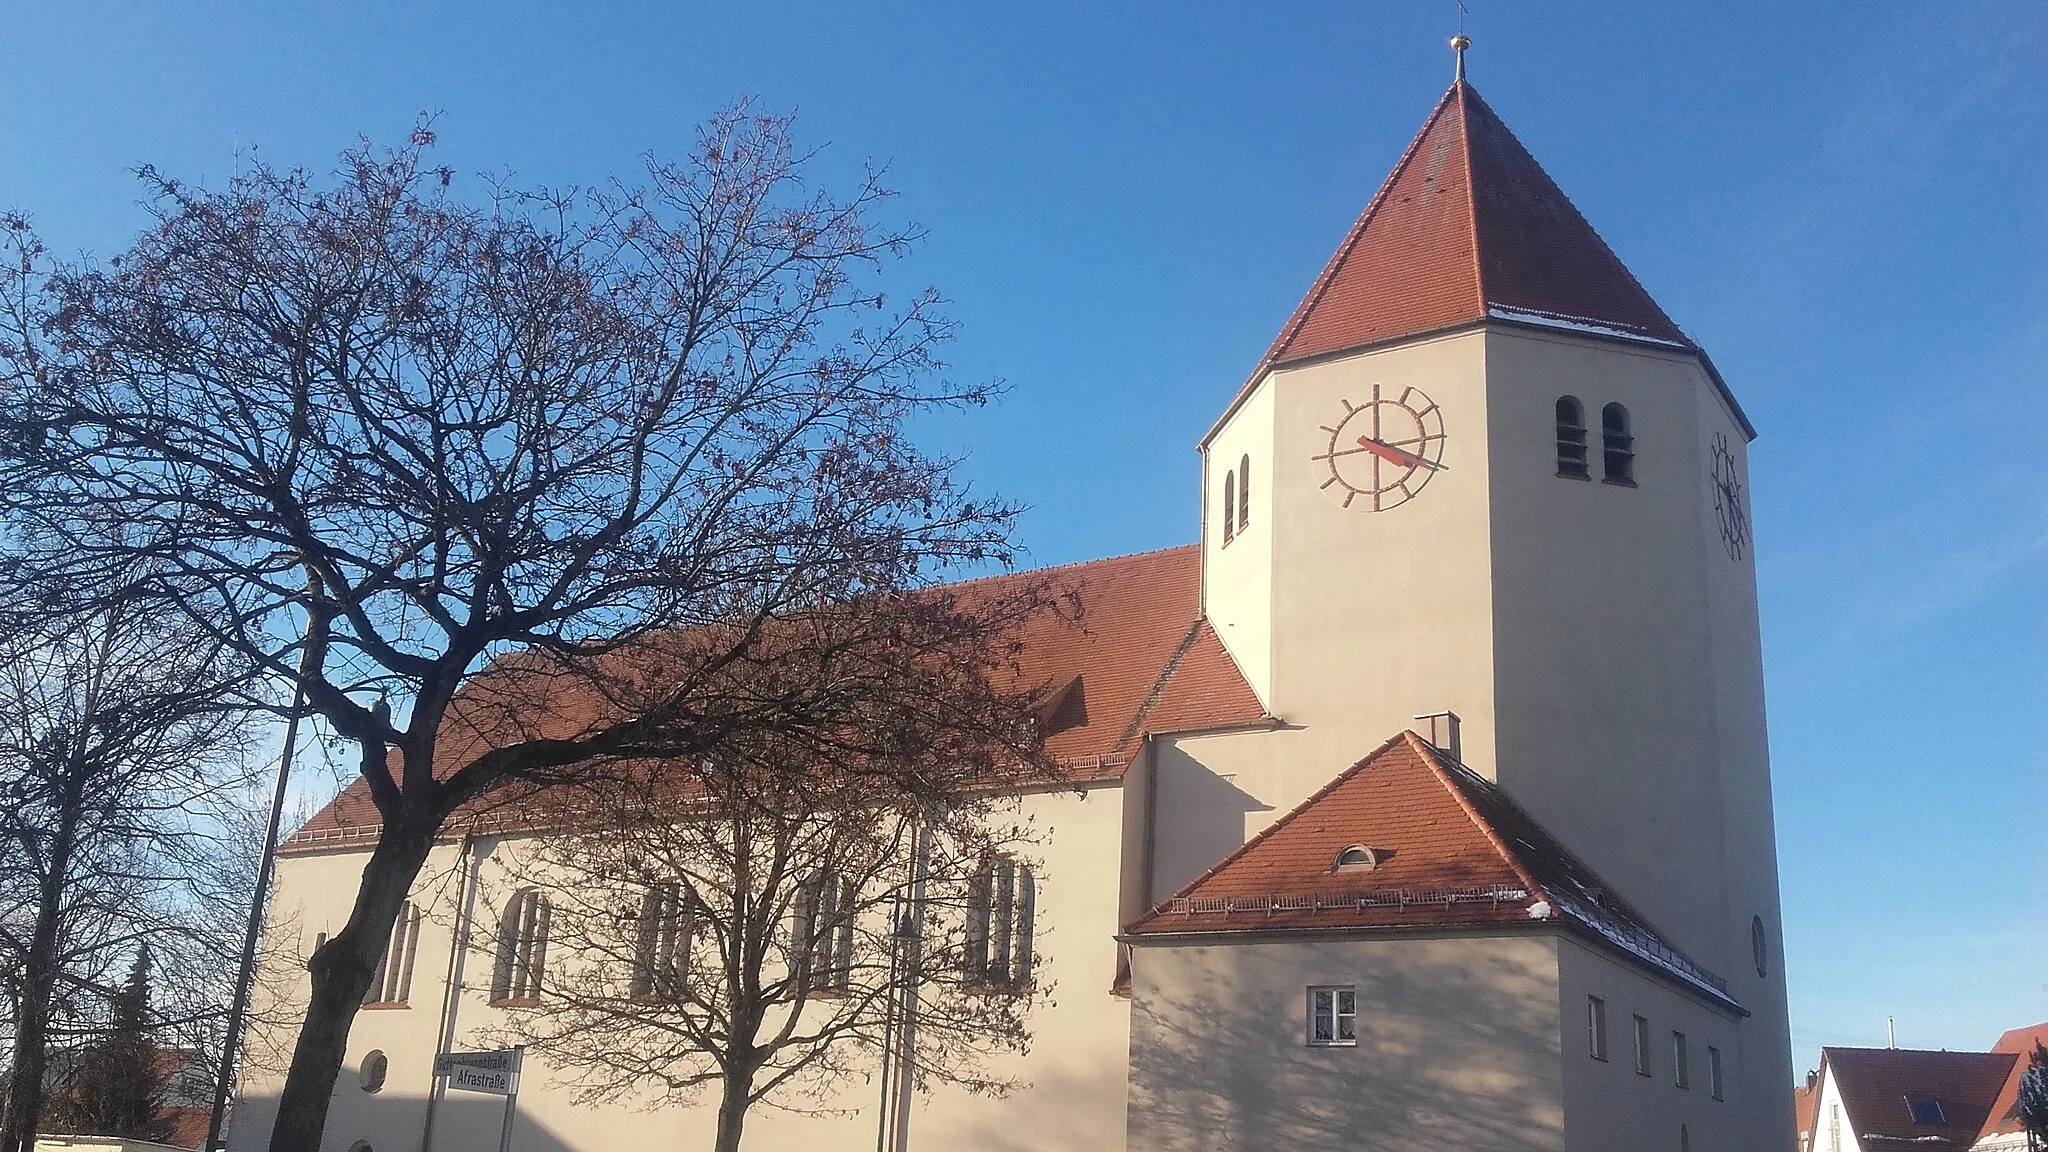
x: 1127, y: 655
x: 2020, y: 1042
x: 1409, y: 838
x: 1469, y: 228
x: 1912, y: 1098
x: 1805, y: 1106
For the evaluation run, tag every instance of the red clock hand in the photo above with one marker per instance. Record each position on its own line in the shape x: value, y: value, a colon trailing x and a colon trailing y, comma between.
x: 1393, y: 455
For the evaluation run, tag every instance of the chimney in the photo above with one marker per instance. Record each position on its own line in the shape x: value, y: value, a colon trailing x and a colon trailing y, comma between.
x: 1440, y: 729
x: 1812, y: 1078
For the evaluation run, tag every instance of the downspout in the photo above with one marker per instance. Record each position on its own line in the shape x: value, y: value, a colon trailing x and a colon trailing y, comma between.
x: 451, y: 988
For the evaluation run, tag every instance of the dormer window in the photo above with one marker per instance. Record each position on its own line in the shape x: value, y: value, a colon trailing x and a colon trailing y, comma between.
x: 1356, y: 858
x: 1618, y: 447
x: 1229, y: 506
x: 1571, y: 439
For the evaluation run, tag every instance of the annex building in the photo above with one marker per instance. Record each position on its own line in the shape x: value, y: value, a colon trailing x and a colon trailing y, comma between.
x: 1424, y: 803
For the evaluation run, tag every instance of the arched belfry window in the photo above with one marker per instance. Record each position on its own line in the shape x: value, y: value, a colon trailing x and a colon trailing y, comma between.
x: 1571, y: 439
x: 1618, y: 447
x: 1229, y: 506
x: 1244, y: 493
x: 522, y: 946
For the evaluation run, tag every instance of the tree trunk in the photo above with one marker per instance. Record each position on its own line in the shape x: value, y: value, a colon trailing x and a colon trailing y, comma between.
x: 342, y: 970
x: 732, y: 1109
x: 30, y: 1058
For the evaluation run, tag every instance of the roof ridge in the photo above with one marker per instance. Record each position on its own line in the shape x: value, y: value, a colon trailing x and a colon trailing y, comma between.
x: 1428, y: 753
x: 1071, y: 564
x: 1463, y: 89
x: 1158, y: 689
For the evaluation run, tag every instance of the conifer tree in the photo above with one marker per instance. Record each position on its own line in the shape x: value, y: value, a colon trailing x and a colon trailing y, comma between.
x: 2032, y: 1107
x: 117, y: 1087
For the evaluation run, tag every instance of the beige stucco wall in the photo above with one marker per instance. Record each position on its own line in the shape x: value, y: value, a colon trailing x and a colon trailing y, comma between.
x: 1609, y: 1106
x: 1075, y: 1068
x: 1237, y: 575
x: 1458, y: 1046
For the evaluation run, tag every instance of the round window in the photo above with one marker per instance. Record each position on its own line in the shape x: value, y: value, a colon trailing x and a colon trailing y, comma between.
x: 1759, y: 946
x: 375, y: 1066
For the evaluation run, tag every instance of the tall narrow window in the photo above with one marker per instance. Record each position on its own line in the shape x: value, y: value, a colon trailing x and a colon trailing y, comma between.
x: 1714, y: 1085
x: 1001, y: 909
x: 1642, y: 1046
x: 393, y: 982
x: 522, y: 947
x: 661, y: 952
x: 824, y: 933
x: 1596, y: 1028
x: 1333, y: 1017
x: 1244, y: 493
x: 1229, y: 506
x: 1834, y: 1128
x: 1618, y: 447
x: 1681, y: 1061
x: 1571, y: 439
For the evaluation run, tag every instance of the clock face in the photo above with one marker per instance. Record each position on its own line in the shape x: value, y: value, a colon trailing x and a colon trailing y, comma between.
x: 1728, y: 499
x: 1381, y: 452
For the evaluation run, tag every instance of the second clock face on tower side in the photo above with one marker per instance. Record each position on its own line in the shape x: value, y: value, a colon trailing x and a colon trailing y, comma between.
x: 1728, y: 506
x: 1381, y: 452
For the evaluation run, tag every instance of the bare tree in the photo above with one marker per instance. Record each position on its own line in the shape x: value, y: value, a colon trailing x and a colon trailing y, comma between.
x: 2031, y: 1108
x: 760, y: 934
x: 402, y: 439
x: 118, y: 741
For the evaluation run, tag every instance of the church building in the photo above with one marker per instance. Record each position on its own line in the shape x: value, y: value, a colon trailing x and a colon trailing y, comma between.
x: 1423, y: 803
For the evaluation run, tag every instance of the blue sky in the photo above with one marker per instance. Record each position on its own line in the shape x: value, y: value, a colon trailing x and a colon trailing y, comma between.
x: 1843, y: 203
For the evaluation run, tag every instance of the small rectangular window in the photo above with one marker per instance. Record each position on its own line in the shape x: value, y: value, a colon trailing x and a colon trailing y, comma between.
x: 1642, y: 1046
x: 1333, y: 1017
x: 1681, y: 1061
x: 1596, y: 1028
x: 1714, y: 1072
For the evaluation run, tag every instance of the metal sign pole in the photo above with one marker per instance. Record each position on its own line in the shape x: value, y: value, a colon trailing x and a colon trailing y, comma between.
x: 512, y: 1097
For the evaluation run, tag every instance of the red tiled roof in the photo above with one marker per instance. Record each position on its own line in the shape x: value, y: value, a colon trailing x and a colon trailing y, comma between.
x: 1874, y: 1084
x: 1469, y: 227
x: 186, y: 1126
x: 2020, y: 1042
x: 1468, y: 222
x: 1805, y: 1105
x: 1450, y: 848
x: 1134, y: 658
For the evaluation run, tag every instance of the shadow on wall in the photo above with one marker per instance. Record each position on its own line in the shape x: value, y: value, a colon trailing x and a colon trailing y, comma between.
x: 1457, y: 1047
x: 463, y: 1122
x: 1202, y: 818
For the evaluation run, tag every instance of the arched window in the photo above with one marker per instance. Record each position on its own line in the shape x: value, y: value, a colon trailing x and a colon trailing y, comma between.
x: 1244, y: 493
x: 1571, y: 439
x: 1618, y: 448
x: 393, y: 982
x: 522, y: 947
x: 1357, y: 858
x: 1001, y: 913
x: 661, y: 956
x: 1229, y: 506
x: 824, y: 932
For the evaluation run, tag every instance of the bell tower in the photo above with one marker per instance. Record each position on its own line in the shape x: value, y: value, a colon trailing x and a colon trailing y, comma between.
x: 1481, y: 470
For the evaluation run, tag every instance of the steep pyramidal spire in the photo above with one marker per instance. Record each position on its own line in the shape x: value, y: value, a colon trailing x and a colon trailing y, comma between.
x: 1468, y: 226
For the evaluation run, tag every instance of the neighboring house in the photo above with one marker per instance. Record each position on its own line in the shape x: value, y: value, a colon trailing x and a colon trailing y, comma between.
x: 2002, y: 1131
x: 1874, y: 1099
x: 1805, y: 1102
x: 1290, y: 899
x: 184, y: 1098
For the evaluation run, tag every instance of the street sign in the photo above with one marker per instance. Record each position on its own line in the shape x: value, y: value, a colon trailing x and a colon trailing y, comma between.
x: 493, y: 1072
x: 468, y: 1079
x: 503, y: 1060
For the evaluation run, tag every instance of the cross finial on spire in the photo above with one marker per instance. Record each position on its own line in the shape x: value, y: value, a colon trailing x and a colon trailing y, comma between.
x: 1460, y: 42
